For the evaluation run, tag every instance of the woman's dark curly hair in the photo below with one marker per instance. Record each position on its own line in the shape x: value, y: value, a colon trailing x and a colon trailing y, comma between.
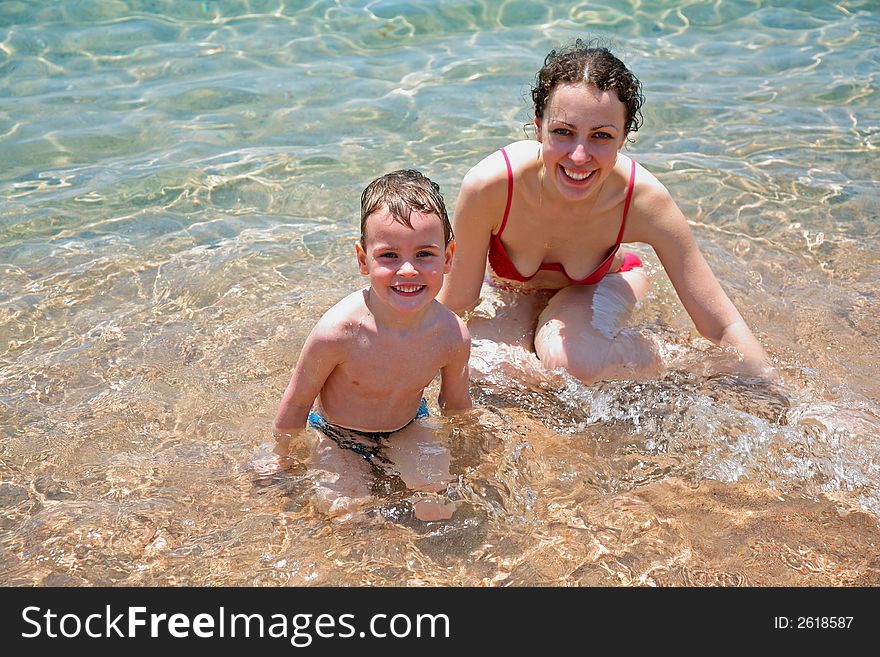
x: 595, y: 65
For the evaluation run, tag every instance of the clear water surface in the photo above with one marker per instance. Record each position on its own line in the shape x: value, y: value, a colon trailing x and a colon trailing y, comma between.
x: 178, y: 204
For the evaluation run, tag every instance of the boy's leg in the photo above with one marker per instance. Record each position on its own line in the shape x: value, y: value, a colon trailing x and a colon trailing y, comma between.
x: 422, y: 462
x: 341, y: 477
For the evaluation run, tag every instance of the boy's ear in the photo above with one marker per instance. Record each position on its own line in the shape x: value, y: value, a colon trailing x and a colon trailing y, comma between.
x: 362, y: 258
x: 450, y: 249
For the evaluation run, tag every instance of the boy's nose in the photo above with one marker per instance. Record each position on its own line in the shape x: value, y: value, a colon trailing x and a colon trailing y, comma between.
x: 406, y: 269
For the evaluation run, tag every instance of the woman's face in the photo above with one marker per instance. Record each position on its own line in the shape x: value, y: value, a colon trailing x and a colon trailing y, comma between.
x: 580, y: 134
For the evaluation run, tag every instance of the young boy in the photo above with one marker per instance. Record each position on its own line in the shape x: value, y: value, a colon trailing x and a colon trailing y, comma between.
x: 363, y: 369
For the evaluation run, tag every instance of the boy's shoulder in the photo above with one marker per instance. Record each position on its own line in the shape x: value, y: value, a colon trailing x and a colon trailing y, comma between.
x: 342, y: 320
x: 450, y: 323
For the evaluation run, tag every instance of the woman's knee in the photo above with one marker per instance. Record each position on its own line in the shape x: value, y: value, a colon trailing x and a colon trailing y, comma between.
x: 586, y: 370
x: 586, y: 360
x: 627, y: 355
x: 638, y: 282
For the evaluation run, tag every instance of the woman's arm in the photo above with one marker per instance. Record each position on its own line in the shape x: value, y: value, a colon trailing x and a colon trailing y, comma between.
x: 477, y: 210
x: 661, y: 224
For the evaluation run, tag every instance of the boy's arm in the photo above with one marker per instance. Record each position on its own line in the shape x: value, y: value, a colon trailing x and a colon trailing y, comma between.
x: 455, y: 394
x: 320, y: 354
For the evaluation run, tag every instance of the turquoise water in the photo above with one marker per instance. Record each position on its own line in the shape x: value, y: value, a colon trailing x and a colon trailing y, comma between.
x: 178, y: 202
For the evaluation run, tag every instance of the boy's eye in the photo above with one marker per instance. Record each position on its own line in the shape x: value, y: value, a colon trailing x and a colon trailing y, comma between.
x: 424, y: 254
x: 388, y: 255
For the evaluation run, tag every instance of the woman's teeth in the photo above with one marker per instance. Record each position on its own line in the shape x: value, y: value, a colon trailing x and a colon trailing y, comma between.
x: 577, y: 175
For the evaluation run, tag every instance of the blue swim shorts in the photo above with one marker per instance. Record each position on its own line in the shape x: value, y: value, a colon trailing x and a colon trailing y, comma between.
x: 366, y: 443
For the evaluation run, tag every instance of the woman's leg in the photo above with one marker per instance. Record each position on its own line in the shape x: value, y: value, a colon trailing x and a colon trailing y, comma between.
x: 502, y: 332
x: 582, y: 330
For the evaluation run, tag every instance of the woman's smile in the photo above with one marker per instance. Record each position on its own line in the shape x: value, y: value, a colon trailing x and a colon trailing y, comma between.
x: 577, y: 176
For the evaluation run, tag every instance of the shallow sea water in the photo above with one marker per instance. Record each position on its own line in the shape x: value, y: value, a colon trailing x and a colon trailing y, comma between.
x: 178, y: 206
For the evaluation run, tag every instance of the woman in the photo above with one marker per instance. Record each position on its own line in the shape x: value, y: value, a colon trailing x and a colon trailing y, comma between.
x: 549, y: 215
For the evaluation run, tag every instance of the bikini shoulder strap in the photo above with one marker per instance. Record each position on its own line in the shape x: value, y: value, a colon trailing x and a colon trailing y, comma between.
x: 629, y: 193
x: 509, y: 191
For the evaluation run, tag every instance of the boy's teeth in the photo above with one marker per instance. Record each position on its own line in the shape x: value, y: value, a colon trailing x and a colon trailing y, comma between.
x: 408, y: 288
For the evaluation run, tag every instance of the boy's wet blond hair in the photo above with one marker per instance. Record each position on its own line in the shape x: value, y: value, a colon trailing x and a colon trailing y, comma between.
x: 403, y: 192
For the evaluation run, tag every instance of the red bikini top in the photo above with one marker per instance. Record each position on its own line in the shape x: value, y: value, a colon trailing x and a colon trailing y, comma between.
x: 504, y: 268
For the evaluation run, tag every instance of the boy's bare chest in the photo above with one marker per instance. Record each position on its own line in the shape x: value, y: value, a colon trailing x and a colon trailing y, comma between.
x: 395, y: 362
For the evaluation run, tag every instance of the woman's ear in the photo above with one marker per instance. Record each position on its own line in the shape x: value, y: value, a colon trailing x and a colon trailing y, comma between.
x: 538, y: 130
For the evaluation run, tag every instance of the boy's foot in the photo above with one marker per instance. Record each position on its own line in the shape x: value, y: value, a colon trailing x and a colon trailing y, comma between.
x: 430, y: 509
x: 331, y: 504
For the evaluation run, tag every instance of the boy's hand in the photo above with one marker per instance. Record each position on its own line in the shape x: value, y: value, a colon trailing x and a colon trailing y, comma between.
x: 284, y: 437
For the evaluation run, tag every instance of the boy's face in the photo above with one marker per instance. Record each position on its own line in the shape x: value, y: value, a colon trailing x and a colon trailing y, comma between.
x: 405, y: 265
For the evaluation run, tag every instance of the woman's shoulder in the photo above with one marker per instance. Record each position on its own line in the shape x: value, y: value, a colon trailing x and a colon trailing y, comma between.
x: 486, y: 187
x: 524, y: 149
x: 645, y: 182
x: 648, y: 192
x: 653, y: 209
x: 492, y: 169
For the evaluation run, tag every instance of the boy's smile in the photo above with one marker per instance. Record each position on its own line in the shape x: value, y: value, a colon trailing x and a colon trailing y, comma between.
x: 408, y: 290
x: 405, y: 265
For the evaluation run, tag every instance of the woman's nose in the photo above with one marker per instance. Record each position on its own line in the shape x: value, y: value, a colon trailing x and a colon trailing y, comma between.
x: 579, y: 154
